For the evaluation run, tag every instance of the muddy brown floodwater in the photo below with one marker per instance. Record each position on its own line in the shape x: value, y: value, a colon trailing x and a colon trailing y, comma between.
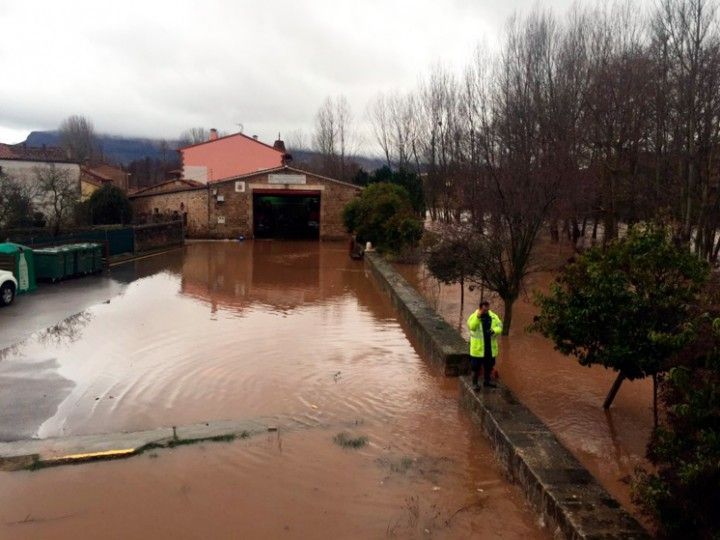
x: 565, y: 395
x: 295, y: 332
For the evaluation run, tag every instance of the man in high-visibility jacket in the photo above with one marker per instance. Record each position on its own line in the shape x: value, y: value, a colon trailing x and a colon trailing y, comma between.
x: 485, y: 326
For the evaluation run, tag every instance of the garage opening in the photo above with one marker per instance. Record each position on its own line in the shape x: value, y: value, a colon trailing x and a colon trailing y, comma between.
x: 286, y: 214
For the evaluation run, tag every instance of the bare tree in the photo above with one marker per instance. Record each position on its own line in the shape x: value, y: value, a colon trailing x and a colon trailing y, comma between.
x: 57, y: 193
x: 334, y: 138
x: 379, y: 114
x: 688, y: 50
x: 395, y: 126
x: 296, y: 140
x: 77, y: 137
x: 193, y: 135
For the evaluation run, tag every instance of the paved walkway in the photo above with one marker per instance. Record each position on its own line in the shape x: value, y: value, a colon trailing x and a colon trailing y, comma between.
x: 52, y: 303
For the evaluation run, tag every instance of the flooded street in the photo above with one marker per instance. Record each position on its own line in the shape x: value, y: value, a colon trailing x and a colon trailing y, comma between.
x: 566, y: 396
x: 292, y: 332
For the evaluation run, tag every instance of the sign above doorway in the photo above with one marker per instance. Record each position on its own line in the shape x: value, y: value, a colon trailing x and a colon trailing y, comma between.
x: 287, y: 179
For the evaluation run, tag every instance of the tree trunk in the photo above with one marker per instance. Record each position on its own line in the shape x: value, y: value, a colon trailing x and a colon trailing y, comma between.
x: 554, y: 231
x: 462, y: 293
x: 595, y: 228
x: 613, y: 391
x: 655, y: 399
x: 507, y: 317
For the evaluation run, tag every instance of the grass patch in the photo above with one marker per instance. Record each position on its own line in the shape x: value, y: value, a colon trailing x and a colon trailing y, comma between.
x: 403, y: 466
x: 346, y: 440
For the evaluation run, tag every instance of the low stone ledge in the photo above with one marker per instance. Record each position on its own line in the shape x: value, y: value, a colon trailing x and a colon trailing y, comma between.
x: 442, y: 344
x: 570, y: 500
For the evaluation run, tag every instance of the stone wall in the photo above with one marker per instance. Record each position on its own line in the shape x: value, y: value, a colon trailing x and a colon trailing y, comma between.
x: 158, y: 235
x: 193, y: 202
x: 225, y: 209
x: 438, y: 340
x: 570, y: 502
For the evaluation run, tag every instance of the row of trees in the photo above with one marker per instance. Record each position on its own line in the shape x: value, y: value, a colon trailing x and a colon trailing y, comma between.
x: 588, y: 123
x: 610, y: 113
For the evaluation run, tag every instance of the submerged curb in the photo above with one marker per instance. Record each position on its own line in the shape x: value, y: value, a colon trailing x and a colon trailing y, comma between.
x: 39, y: 453
x: 570, y: 500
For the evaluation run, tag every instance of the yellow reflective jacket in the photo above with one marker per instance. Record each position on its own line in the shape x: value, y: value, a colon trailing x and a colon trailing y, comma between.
x: 477, y: 340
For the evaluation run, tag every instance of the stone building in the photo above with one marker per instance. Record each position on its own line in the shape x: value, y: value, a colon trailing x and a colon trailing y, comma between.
x: 282, y: 202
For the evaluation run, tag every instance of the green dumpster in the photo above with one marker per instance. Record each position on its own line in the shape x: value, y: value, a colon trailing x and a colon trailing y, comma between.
x: 96, y: 251
x: 19, y: 260
x: 83, y: 259
x: 69, y: 253
x: 50, y: 263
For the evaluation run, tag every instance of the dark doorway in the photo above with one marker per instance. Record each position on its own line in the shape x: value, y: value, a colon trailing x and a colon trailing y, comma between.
x: 283, y: 214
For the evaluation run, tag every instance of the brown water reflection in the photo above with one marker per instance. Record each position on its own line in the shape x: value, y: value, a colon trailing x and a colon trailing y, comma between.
x: 292, y: 331
x: 565, y: 395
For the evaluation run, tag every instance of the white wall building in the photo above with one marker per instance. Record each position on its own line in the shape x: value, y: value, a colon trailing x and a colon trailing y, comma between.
x: 21, y: 164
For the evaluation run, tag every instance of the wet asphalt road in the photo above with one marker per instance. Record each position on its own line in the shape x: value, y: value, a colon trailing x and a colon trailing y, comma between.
x: 28, y: 396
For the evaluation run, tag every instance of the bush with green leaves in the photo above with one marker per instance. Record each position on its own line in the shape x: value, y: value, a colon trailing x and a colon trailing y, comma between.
x: 625, y: 306
x: 402, y: 177
x: 383, y: 215
x: 682, y: 492
x: 108, y: 206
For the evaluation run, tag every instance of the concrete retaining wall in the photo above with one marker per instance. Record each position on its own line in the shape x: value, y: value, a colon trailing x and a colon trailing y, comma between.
x: 567, y: 497
x: 438, y: 340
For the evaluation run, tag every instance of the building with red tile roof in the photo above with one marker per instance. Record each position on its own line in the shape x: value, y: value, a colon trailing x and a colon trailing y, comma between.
x: 220, y: 158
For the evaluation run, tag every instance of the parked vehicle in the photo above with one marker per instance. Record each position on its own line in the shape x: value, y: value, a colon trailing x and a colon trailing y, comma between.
x: 18, y: 261
x: 8, y: 286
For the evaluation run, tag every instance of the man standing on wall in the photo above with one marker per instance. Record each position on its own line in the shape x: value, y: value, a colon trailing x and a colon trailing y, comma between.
x: 485, y: 326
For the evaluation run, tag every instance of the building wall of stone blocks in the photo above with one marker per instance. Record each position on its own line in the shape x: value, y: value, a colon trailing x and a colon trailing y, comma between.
x: 194, y: 202
x: 225, y: 209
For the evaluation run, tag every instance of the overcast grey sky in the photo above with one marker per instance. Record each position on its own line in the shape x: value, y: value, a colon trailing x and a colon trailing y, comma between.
x: 155, y: 68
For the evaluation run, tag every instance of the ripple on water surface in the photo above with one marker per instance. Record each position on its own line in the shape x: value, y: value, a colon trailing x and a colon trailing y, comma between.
x: 296, y: 332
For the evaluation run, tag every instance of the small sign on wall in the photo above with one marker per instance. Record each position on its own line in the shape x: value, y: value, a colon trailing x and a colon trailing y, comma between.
x: 240, y: 186
x: 221, y: 220
x: 287, y: 179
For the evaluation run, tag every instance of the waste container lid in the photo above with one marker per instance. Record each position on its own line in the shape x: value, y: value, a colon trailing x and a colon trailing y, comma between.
x: 11, y: 247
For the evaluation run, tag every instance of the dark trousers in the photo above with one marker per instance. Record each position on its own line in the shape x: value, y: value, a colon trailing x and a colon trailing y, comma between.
x: 487, y: 364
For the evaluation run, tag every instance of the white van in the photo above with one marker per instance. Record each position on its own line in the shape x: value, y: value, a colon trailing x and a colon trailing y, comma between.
x: 8, y: 287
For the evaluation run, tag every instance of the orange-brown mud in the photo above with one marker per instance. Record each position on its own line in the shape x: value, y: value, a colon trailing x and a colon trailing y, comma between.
x: 291, y: 331
x: 566, y: 396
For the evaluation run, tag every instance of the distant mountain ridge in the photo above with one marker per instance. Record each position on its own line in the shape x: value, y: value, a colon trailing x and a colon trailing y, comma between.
x: 124, y: 150
x: 117, y: 149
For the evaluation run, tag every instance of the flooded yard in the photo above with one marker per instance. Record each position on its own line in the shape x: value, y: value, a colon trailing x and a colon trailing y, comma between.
x: 296, y: 333
x: 567, y: 397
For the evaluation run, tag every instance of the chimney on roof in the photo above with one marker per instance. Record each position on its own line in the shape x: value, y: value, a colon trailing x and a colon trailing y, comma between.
x: 279, y: 144
x: 213, y: 134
